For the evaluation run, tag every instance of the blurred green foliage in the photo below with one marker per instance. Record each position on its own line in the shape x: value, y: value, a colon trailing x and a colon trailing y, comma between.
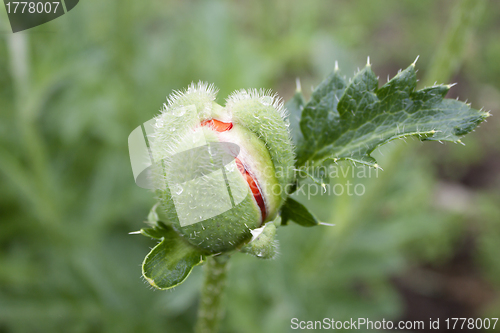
x: 73, y: 89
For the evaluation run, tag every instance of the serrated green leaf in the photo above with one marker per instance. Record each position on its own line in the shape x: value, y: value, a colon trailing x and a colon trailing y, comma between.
x: 347, y: 122
x: 295, y: 107
x: 319, y: 176
x: 298, y: 213
x: 171, y: 261
x: 320, y: 113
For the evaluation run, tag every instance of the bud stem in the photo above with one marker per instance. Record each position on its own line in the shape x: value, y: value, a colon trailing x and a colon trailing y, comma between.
x: 211, y: 309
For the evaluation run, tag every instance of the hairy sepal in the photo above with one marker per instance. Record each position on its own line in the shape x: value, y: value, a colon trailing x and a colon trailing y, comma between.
x: 264, y: 114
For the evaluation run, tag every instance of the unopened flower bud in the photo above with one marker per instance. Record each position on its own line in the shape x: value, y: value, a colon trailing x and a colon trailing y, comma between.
x: 223, y: 170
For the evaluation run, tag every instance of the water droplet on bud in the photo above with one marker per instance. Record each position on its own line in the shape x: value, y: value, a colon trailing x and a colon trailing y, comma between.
x: 266, y: 100
x: 178, y: 189
x: 179, y: 111
x: 230, y: 167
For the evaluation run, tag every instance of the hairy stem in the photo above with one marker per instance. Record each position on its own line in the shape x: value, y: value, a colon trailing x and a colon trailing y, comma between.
x: 211, y: 308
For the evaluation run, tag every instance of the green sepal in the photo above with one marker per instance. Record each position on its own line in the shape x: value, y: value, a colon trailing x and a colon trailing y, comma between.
x: 298, y: 213
x: 171, y: 261
x: 157, y: 232
x: 157, y: 229
x: 264, y: 246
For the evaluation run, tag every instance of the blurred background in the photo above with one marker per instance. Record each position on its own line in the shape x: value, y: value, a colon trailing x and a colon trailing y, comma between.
x: 422, y: 242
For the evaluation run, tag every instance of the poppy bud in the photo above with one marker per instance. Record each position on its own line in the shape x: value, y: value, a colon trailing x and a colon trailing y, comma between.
x: 223, y: 170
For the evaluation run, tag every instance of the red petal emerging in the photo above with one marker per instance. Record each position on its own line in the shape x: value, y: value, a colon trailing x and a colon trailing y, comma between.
x: 220, y: 126
x: 217, y: 125
x: 253, y: 187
